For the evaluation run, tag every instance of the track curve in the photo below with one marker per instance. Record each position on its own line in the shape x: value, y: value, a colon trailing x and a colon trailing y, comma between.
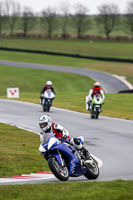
x: 110, y: 139
x: 109, y: 83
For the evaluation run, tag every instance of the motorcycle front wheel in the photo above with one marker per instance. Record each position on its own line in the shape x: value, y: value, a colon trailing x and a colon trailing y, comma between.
x: 97, y: 113
x: 92, y: 170
x: 44, y: 108
x: 60, y: 172
x: 48, y: 108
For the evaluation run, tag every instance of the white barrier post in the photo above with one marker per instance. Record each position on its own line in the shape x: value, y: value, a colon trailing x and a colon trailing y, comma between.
x: 12, y: 92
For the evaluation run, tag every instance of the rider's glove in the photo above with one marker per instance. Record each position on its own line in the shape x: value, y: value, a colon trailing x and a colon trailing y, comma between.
x: 42, y: 95
x: 60, y: 128
x: 65, y: 133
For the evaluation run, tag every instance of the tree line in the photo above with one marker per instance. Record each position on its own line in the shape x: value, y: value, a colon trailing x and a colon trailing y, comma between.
x: 107, y: 20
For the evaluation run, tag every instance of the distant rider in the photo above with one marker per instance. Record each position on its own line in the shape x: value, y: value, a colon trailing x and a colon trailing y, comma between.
x: 47, y: 126
x: 47, y: 86
x: 96, y: 89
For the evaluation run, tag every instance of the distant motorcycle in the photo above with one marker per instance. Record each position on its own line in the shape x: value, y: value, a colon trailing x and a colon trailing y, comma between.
x: 47, y: 100
x: 65, y: 160
x: 96, y: 106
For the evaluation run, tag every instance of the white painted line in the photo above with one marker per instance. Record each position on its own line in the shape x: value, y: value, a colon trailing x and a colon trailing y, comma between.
x: 100, y: 163
x: 26, y: 177
x: 7, y: 180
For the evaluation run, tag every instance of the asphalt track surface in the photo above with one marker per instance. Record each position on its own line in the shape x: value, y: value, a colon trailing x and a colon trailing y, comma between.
x: 109, y: 83
x: 110, y: 139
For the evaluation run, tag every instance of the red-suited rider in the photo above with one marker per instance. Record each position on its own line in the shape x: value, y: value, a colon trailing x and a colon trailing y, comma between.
x: 96, y: 89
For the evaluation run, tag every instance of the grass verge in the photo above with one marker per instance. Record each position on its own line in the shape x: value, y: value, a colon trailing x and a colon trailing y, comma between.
x: 18, y: 154
x: 82, y: 47
x: 113, y: 190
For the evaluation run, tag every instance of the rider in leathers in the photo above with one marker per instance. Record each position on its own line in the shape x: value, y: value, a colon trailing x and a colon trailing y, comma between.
x: 96, y: 89
x: 47, y: 86
x: 47, y: 126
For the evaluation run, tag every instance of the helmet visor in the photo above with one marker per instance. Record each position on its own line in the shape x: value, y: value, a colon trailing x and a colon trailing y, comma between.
x: 48, y: 86
x: 97, y: 86
x: 43, y: 125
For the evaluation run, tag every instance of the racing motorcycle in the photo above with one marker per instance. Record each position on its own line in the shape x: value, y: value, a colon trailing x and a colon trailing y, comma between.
x: 96, y: 105
x: 47, y: 100
x: 65, y: 160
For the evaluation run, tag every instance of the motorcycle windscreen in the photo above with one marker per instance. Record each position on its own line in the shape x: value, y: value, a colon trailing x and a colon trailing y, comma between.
x: 47, y: 136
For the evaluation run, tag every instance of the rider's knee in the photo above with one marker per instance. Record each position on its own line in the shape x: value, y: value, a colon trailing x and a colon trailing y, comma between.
x: 76, y: 142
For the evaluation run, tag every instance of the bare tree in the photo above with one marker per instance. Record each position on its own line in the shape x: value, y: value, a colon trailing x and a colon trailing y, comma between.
x: 128, y: 20
x: 2, y: 17
x: 12, y: 10
x: 80, y: 20
x: 49, y: 21
x: 64, y: 19
x: 107, y: 20
x: 28, y: 20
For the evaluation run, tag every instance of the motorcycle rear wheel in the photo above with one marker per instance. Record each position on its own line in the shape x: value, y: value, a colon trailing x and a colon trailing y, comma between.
x: 92, y: 170
x: 60, y: 172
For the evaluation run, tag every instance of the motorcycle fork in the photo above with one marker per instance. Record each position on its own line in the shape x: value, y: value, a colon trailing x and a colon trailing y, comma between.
x: 80, y: 159
x: 91, y: 107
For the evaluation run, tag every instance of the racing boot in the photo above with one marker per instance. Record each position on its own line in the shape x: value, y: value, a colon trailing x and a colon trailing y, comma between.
x: 88, y: 105
x: 87, y: 156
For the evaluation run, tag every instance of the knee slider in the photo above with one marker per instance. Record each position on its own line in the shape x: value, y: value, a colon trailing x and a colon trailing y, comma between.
x: 76, y: 143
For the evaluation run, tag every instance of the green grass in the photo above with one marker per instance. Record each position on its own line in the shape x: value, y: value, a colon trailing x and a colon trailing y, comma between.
x: 82, y: 47
x: 113, y: 190
x: 18, y: 155
x: 70, y: 90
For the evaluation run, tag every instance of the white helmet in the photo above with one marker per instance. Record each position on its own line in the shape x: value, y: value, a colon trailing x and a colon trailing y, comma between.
x: 45, y: 123
x: 49, y: 83
x: 96, y: 85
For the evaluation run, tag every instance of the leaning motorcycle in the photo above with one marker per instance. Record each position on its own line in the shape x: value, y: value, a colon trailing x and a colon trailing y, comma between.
x: 47, y: 100
x: 65, y: 160
x: 96, y: 106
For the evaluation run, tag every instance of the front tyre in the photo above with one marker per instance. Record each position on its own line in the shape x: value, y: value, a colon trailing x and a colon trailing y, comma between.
x: 44, y: 108
x: 97, y: 113
x: 48, y: 108
x: 92, y: 170
x: 61, y: 172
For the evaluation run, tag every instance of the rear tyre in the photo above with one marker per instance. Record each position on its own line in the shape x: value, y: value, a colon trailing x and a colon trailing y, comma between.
x: 61, y: 172
x: 92, y: 170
